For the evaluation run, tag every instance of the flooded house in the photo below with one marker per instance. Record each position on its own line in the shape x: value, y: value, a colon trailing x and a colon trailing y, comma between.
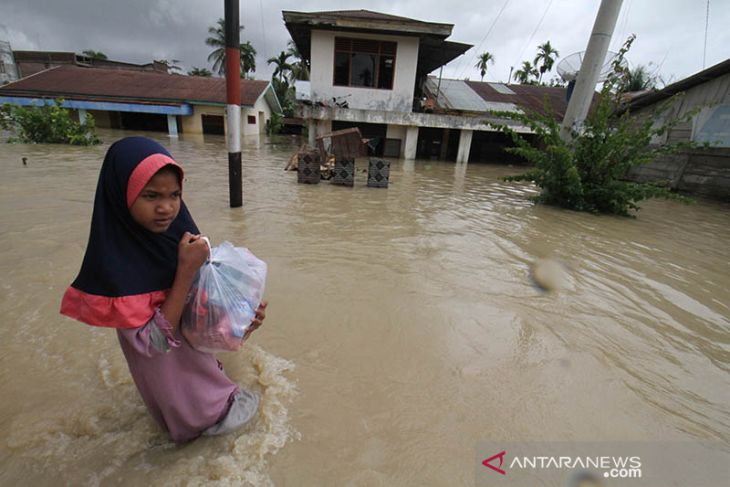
x: 140, y: 99
x: 699, y: 108
x: 371, y: 71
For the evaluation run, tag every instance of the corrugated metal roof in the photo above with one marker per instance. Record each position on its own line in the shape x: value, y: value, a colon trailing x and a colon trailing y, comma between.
x: 703, y: 76
x: 501, y: 88
x: 455, y: 94
x: 529, y: 98
x: 128, y: 86
x: 474, y: 96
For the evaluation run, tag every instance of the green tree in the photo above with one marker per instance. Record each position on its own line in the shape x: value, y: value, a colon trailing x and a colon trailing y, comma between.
x: 248, y: 59
x: 281, y: 66
x: 300, y: 66
x: 526, y: 74
x: 482, y: 62
x: 545, y: 57
x: 586, y: 173
x: 285, y: 94
x: 47, y: 124
x: 217, y: 40
x: 637, y: 79
x: 94, y: 54
x: 200, y: 72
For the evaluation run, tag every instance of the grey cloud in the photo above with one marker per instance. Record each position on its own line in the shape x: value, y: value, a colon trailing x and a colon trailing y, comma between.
x: 139, y: 30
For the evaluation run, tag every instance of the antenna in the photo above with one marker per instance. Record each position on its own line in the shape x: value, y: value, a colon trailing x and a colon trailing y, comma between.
x: 569, y: 66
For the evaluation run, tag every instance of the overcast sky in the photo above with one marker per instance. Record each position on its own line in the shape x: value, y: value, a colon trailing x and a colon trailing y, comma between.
x: 670, y: 33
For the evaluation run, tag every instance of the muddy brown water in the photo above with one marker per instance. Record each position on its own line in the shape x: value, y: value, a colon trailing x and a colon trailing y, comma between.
x: 403, y: 327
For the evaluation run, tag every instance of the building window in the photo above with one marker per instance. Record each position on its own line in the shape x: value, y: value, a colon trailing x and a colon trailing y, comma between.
x: 2, y: 67
x: 364, y: 63
x: 252, y: 119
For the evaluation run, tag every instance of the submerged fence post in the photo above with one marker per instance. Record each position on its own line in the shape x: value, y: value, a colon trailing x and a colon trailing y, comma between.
x: 233, y: 99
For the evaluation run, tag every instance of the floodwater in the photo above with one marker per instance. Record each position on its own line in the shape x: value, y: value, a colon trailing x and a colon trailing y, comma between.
x: 403, y: 328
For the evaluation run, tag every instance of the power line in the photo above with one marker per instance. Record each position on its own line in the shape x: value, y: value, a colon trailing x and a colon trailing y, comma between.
x: 533, y: 33
x: 707, y: 23
x: 619, y: 40
x: 476, y: 51
x: 263, y: 30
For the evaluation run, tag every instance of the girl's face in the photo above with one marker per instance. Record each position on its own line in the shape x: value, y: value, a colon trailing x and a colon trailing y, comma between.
x: 158, y: 203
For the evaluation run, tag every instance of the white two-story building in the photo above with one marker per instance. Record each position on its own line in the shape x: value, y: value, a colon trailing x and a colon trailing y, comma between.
x: 373, y: 63
x: 371, y: 70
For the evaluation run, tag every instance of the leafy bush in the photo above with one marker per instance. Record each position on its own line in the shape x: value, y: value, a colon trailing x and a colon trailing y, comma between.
x: 274, y: 124
x: 48, y: 124
x: 586, y: 172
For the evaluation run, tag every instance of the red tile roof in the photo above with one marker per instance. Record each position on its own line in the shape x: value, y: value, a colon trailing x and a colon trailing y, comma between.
x: 130, y: 86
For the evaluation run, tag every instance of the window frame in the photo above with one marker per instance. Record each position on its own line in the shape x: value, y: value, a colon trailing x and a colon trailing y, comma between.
x: 378, y: 55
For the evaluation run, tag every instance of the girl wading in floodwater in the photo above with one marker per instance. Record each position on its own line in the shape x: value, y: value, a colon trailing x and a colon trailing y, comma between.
x: 143, y: 252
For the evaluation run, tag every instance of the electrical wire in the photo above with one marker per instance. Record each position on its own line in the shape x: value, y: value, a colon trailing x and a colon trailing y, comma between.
x: 619, y: 40
x: 263, y: 30
x: 519, y: 58
x: 489, y: 31
x: 707, y: 24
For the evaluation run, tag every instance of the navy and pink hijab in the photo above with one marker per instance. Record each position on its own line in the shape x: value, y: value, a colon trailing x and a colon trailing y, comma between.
x: 127, y: 269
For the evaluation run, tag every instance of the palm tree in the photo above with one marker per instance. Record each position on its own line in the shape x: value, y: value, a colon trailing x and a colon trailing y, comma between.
x: 200, y: 72
x: 217, y: 40
x: 482, y: 61
x: 248, y: 59
x: 94, y: 54
x: 300, y: 66
x: 524, y: 74
x: 637, y: 79
x: 281, y: 65
x: 546, y: 55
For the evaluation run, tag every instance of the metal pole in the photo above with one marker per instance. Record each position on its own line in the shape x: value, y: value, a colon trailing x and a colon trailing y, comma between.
x: 590, y: 69
x: 233, y: 107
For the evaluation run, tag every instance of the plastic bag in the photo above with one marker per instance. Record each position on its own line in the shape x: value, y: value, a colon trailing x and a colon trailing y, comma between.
x: 223, y: 299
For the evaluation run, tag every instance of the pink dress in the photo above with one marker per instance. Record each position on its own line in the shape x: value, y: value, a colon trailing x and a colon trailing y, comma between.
x: 185, y: 390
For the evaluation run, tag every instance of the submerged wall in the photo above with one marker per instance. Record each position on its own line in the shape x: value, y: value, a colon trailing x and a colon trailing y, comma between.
x: 703, y: 172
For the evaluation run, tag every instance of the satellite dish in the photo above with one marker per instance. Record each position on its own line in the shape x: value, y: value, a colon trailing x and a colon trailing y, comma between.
x: 569, y: 66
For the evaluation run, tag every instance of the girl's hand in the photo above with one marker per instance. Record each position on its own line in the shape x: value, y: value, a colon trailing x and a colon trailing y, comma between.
x: 258, y: 319
x: 192, y: 252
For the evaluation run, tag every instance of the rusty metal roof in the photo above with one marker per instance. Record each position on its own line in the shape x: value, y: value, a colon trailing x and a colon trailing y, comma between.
x: 529, y: 98
x: 130, y: 86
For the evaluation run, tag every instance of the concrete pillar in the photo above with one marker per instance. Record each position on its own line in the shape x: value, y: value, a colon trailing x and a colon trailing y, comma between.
x: 172, y: 125
x: 464, y: 145
x: 444, y: 144
x: 82, y: 115
x: 590, y: 69
x: 311, y: 132
x: 409, y: 153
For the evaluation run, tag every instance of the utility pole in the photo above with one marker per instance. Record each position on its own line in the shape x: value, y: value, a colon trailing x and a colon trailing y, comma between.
x: 233, y: 99
x: 590, y: 69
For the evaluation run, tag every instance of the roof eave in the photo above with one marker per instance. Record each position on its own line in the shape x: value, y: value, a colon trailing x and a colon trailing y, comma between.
x: 703, y: 76
x: 414, y: 27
